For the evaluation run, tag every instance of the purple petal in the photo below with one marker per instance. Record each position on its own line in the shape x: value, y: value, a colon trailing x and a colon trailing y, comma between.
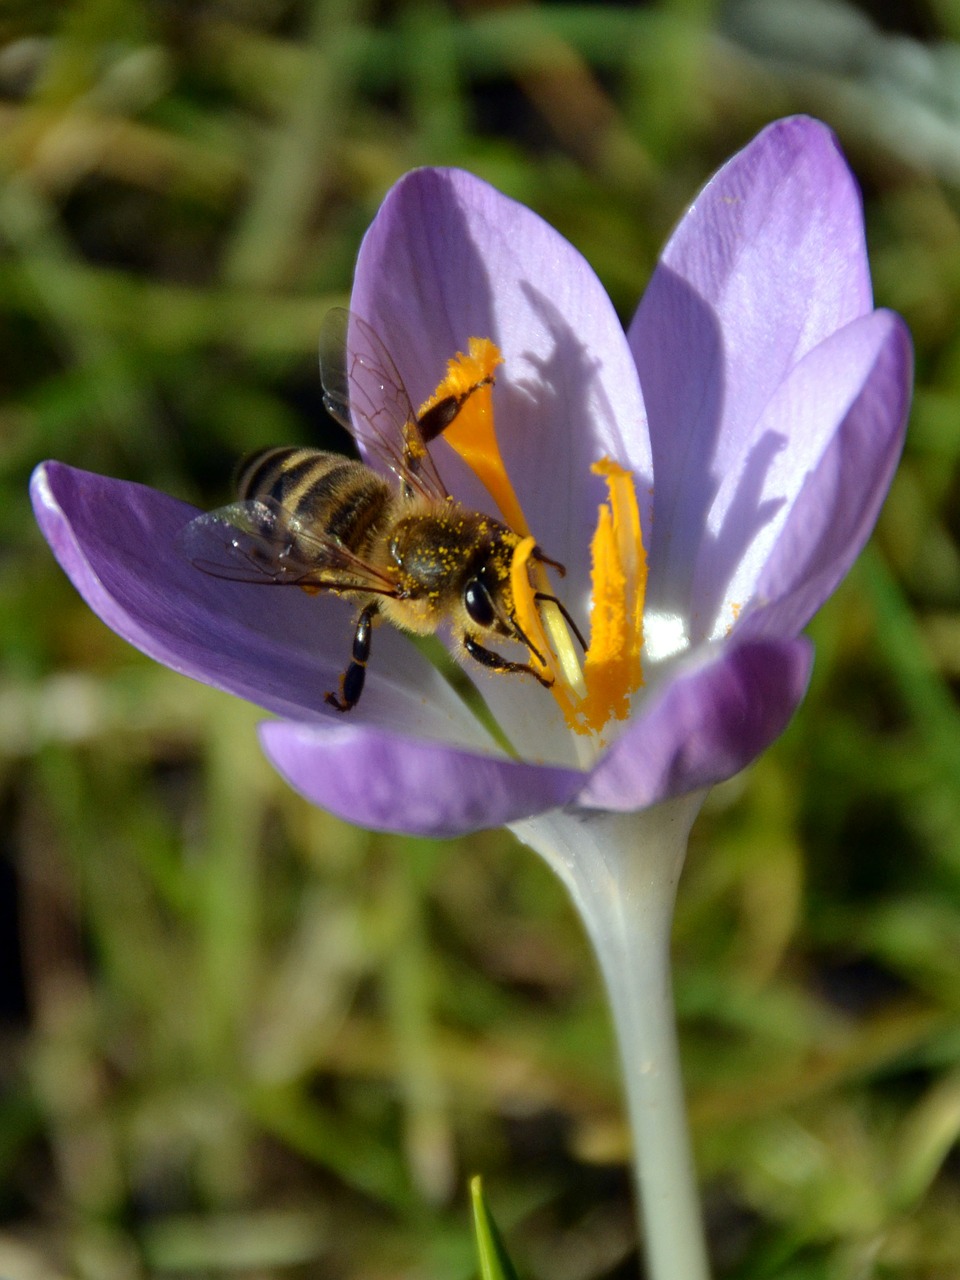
x: 703, y: 727
x: 388, y: 782
x: 276, y: 647
x: 449, y: 258
x: 790, y: 517
x: 769, y: 261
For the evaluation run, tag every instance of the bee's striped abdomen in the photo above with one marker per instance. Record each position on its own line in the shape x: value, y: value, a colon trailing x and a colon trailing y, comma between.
x: 324, y: 491
x: 284, y: 473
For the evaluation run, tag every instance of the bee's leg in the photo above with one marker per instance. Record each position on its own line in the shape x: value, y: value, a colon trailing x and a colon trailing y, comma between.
x: 351, y: 682
x: 438, y: 417
x: 494, y: 662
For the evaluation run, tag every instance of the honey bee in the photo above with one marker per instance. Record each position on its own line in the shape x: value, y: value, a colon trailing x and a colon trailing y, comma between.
x: 406, y: 552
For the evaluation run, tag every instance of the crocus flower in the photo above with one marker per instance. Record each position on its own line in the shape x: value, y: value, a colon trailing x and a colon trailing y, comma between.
x: 737, y: 443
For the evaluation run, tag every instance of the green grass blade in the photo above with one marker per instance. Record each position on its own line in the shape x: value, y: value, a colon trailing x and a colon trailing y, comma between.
x: 495, y: 1262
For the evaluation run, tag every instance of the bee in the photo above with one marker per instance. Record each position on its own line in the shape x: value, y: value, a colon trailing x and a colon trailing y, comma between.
x: 406, y: 552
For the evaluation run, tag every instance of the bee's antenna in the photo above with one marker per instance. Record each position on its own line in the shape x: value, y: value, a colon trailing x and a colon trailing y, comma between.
x: 524, y: 638
x: 537, y: 554
x: 542, y: 595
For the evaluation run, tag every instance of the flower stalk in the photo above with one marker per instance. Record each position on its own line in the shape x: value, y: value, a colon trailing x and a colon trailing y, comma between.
x: 622, y: 872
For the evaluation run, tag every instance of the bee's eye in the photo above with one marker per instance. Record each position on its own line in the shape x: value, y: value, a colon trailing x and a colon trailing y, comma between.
x: 477, y: 602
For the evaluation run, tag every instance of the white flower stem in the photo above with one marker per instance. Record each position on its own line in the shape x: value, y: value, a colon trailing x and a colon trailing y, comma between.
x: 622, y: 872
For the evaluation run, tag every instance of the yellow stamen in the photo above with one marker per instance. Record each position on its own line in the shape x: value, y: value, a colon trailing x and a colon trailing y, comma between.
x: 612, y: 669
x: 470, y: 378
x: 472, y: 434
x: 600, y: 690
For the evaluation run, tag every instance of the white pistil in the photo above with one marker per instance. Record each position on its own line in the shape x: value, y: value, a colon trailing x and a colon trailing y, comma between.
x: 564, y: 648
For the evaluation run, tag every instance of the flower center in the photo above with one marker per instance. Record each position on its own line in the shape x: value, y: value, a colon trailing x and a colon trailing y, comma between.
x: 598, y: 689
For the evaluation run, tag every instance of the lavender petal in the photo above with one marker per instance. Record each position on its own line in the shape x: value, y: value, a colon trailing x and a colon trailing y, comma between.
x: 769, y: 260
x: 386, y: 781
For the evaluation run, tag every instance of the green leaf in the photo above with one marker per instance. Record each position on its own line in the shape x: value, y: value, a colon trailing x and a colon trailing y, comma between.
x: 495, y: 1262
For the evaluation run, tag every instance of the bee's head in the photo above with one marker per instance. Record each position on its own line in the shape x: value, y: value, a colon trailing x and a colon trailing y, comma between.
x: 483, y: 594
x: 487, y: 591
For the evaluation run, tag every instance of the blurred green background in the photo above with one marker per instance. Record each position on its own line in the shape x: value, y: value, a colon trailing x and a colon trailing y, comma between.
x: 240, y: 1039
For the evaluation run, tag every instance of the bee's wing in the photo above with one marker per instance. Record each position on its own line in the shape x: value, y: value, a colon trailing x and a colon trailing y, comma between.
x: 363, y: 390
x: 262, y: 542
